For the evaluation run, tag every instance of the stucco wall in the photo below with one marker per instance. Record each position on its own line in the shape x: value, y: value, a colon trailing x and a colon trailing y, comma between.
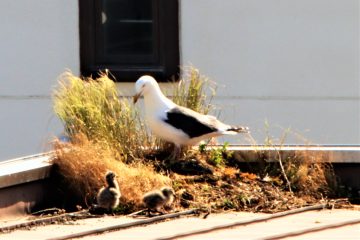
x: 39, y: 40
x: 294, y: 63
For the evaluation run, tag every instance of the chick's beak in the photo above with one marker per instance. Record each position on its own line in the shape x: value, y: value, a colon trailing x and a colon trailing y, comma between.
x: 136, y: 97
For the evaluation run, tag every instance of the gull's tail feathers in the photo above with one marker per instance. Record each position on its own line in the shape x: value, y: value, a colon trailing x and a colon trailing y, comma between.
x: 233, y: 130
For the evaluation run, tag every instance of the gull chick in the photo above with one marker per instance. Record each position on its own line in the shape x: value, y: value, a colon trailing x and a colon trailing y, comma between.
x: 108, y: 197
x: 177, y: 124
x: 157, y: 199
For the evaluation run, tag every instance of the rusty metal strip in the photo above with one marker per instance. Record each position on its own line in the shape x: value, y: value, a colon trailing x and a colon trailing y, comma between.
x: 125, y: 225
x: 246, y: 222
x: 47, y: 220
x: 312, y: 230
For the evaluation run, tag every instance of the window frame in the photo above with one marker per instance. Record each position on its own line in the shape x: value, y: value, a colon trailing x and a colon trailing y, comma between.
x: 166, y: 44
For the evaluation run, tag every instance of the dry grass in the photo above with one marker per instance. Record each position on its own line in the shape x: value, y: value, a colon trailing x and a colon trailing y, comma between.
x: 310, y: 173
x: 304, y: 172
x: 83, y: 165
x: 228, y: 188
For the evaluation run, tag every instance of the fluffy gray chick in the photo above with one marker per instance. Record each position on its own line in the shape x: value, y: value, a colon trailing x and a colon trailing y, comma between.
x: 108, y: 197
x: 157, y: 199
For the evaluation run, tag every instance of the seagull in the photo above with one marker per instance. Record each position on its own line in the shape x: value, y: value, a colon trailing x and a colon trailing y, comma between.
x: 173, y: 123
x: 108, y: 197
x: 157, y: 199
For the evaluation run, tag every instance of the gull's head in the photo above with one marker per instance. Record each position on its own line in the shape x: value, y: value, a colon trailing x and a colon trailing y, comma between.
x: 144, y: 85
x: 110, y: 176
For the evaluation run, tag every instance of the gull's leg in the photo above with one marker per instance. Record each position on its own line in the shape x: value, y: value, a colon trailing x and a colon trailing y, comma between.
x: 175, y: 155
x: 177, y: 151
x: 160, y: 212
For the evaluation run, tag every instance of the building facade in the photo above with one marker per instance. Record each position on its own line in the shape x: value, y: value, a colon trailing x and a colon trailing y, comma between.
x: 278, y: 65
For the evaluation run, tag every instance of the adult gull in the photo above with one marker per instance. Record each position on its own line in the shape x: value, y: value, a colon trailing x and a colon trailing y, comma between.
x: 177, y: 124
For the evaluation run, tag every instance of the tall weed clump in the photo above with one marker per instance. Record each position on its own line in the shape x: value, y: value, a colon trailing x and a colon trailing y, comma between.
x: 194, y: 91
x: 93, y: 108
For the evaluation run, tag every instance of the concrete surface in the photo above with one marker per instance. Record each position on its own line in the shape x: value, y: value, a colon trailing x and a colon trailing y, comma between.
x: 169, y: 228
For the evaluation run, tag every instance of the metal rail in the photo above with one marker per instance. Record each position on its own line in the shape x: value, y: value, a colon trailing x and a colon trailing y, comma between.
x: 311, y: 230
x: 125, y: 225
x: 47, y: 220
x: 246, y: 222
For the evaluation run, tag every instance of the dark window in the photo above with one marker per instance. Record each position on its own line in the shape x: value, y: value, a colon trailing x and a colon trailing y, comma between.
x: 130, y: 38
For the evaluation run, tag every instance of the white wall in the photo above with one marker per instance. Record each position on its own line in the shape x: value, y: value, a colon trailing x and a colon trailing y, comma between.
x: 39, y: 40
x: 294, y: 63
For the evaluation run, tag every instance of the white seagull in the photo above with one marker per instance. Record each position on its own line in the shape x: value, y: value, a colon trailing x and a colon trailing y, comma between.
x: 109, y: 197
x: 157, y: 199
x: 177, y: 124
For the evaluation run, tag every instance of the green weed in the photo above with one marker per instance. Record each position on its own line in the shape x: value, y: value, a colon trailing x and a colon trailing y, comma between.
x: 93, y: 108
x: 217, y: 156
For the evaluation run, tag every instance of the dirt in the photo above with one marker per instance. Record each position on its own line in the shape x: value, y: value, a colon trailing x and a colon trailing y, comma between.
x: 218, y: 181
x: 233, y: 185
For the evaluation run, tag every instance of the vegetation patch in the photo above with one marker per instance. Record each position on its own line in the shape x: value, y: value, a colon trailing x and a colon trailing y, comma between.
x: 106, y: 132
x: 93, y: 108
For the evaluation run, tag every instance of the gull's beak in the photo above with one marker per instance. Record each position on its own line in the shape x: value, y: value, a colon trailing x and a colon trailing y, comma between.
x: 136, y: 97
